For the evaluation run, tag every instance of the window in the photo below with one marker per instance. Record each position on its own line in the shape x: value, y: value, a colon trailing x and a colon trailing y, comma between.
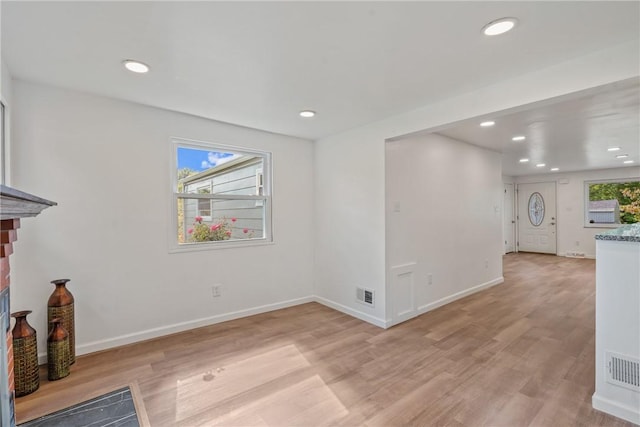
x: 612, y: 203
x: 221, y: 195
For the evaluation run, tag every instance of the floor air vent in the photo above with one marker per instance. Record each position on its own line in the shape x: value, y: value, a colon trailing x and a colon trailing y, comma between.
x: 623, y: 371
x: 364, y: 296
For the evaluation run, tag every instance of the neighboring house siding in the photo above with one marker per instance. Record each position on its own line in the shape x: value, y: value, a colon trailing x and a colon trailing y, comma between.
x: 240, y: 180
x: 604, y: 212
x: 602, y: 217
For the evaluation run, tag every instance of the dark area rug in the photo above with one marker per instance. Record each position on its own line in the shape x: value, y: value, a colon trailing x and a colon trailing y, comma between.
x: 114, y: 409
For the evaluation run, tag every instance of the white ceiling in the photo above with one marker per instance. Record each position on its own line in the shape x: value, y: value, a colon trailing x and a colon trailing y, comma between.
x: 258, y: 64
x: 572, y: 133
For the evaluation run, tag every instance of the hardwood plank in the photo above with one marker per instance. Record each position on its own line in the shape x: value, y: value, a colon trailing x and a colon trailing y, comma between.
x: 517, y: 354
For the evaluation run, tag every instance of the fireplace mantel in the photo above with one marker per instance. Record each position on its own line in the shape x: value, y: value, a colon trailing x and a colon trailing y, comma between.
x: 14, y: 205
x: 18, y: 204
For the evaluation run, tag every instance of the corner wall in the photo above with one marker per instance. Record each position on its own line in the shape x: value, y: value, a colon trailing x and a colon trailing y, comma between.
x: 444, y: 223
x: 106, y: 163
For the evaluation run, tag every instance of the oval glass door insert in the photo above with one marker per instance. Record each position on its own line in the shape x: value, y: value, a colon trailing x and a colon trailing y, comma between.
x: 536, y: 209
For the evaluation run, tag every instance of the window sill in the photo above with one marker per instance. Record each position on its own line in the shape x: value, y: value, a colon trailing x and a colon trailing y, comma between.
x: 603, y: 225
x: 197, y: 247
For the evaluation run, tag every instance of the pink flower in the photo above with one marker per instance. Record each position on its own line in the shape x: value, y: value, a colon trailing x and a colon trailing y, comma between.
x: 245, y: 230
x: 228, y: 233
x: 234, y: 219
x: 190, y: 230
x: 214, y: 227
x: 199, y: 219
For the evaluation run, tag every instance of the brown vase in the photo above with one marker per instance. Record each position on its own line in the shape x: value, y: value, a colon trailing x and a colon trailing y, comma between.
x: 57, y: 351
x: 25, y: 355
x: 61, y: 305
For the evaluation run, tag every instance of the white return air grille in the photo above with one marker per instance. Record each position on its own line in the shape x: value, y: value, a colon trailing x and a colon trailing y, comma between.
x: 623, y: 371
x: 365, y: 296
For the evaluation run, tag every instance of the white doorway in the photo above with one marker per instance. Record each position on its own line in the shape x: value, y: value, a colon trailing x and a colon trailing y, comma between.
x: 509, y: 227
x: 537, y: 217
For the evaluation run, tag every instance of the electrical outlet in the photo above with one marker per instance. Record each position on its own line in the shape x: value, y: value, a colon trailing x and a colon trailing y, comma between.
x: 486, y: 263
x: 429, y: 279
x: 577, y: 242
x: 216, y: 291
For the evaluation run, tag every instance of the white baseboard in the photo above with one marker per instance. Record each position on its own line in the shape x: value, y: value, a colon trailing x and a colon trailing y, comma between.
x: 351, y: 312
x: 100, y: 345
x: 616, y: 409
x: 178, y: 327
x: 446, y: 300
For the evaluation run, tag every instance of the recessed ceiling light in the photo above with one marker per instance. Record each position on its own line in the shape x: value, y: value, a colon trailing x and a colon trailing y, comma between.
x: 555, y: 169
x: 628, y: 161
x: 519, y: 138
x: 307, y: 113
x: 499, y: 26
x: 487, y: 124
x: 613, y: 149
x: 622, y: 156
x: 524, y: 160
x: 541, y: 165
x: 135, y: 66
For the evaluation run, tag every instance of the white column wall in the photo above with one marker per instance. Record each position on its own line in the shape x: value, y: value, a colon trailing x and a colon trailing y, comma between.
x: 444, y: 221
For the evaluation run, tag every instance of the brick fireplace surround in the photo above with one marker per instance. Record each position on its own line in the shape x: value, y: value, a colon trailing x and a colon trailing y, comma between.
x: 14, y: 204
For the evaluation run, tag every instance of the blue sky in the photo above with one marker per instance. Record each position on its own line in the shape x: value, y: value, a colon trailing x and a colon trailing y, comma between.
x: 199, y: 160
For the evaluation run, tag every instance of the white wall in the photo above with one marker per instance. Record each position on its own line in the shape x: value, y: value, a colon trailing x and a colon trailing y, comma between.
x: 572, y: 235
x: 350, y: 176
x: 5, y: 83
x: 444, y: 213
x: 106, y: 163
x: 617, y: 323
x: 6, y: 95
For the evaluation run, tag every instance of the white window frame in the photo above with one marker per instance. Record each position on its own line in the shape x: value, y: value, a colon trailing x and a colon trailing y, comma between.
x: 587, y: 224
x: 174, y: 246
x: 204, y: 217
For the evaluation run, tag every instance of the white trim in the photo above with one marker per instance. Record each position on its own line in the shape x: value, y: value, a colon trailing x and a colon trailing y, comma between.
x: 616, y: 409
x: 7, y: 140
x: 135, y: 337
x: 110, y: 343
x: 376, y: 321
x: 458, y: 295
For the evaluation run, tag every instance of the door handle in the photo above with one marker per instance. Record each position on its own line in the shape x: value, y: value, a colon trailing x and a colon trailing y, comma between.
x: 552, y: 223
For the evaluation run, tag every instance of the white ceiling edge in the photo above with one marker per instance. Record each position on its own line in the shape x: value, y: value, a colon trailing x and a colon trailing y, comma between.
x: 568, y: 78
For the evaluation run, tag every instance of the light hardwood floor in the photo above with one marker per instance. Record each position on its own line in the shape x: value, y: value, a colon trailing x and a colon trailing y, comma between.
x: 518, y: 354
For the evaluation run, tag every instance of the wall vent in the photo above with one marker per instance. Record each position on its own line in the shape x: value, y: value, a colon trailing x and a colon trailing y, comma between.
x: 623, y: 370
x: 365, y: 296
x: 575, y: 255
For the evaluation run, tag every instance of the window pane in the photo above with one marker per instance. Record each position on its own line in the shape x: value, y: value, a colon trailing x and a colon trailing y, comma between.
x: 614, y: 202
x: 229, y: 220
x: 223, y: 172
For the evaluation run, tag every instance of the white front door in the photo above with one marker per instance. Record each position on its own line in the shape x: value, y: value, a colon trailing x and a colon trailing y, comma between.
x: 537, y: 217
x: 509, y: 219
